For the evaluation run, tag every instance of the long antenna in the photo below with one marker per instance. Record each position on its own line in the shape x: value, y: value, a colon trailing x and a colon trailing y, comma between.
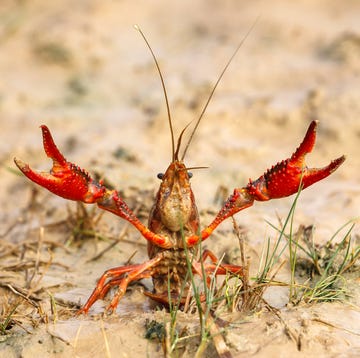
x: 164, y: 90
x: 215, y: 86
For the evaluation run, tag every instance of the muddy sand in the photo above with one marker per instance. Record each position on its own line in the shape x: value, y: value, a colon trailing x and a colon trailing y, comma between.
x: 82, y: 69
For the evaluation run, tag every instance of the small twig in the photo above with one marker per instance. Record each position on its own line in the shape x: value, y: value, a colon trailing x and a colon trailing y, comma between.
x: 244, y: 263
x: 240, y: 237
x: 53, y: 306
x: 218, y: 339
x: 292, y: 334
x: 130, y: 258
x: 54, y: 335
x: 67, y: 303
x: 30, y: 298
x: 319, y: 320
x: 113, y: 244
x: 37, y: 259
x: 106, y: 342
x: 21, y: 326
x: 29, y: 242
x: 77, y: 336
x: 28, y: 264
x: 122, y: 234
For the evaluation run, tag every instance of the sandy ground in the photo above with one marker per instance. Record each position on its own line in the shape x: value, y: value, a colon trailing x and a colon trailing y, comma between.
x: 82, y: 69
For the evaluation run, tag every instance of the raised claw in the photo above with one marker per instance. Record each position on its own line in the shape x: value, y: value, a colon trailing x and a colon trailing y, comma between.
x: 64, y: 179
x: 71, y: 182
x: 284, y: 178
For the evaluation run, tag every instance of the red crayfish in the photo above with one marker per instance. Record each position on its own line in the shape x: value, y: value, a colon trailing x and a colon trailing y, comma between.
x: 173, y: 229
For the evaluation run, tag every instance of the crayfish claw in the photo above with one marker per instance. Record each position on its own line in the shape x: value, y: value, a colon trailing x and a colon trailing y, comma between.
x: 285, y: 178
x: 64, y: 179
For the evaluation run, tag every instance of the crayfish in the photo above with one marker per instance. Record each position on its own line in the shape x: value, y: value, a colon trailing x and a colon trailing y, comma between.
x: 173, y: 231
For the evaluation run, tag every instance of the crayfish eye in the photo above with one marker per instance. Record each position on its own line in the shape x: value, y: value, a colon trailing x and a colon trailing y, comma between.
x: 190, y: 175
x: 160, y: 176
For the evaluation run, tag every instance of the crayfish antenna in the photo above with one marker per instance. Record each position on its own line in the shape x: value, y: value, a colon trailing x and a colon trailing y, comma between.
x: 164, y: 90
x: 215, y: 86
x: 178, y: 145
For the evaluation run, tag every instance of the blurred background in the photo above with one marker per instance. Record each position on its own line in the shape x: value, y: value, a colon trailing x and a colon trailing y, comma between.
x: 82, y: 69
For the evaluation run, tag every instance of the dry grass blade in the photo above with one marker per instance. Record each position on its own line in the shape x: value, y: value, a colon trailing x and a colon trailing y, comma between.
x: 329, y: 324
x: 37, y: 258
x: 220, y: 345
x: 120, y: 238
x: 23, y: 293
x: 106, y: 341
